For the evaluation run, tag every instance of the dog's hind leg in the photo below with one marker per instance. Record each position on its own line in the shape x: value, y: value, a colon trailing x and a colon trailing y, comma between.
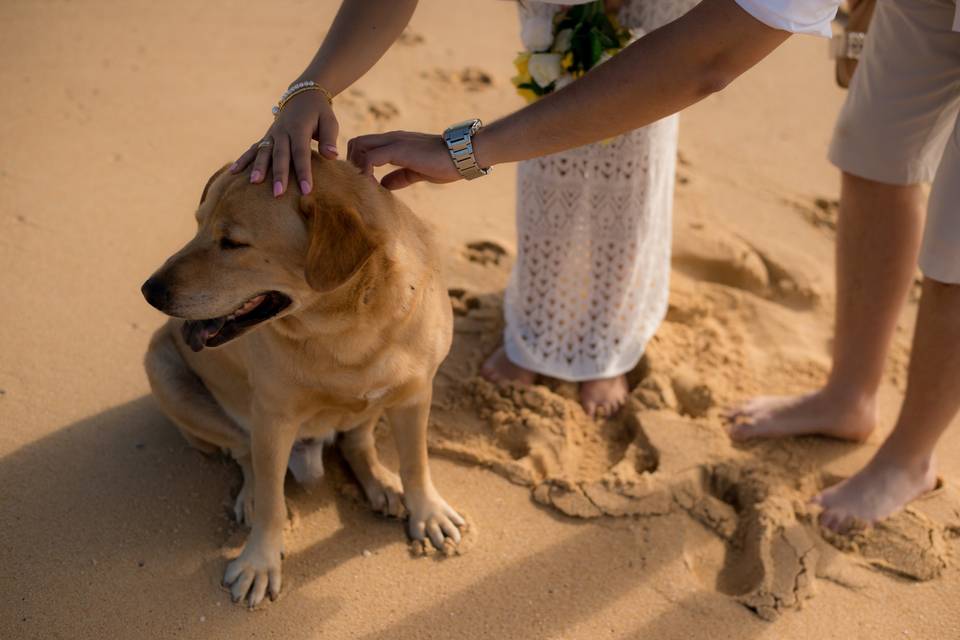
x: 187, y: 402
x: 381, y: 485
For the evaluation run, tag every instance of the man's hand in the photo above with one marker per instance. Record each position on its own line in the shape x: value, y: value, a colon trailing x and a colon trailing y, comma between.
x: 420, y: 156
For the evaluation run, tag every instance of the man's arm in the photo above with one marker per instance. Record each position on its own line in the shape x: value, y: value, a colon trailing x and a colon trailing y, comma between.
x: 660, y: 74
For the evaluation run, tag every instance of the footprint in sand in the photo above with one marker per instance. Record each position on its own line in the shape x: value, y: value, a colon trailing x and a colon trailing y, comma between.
x: 469, y: 78
x: 463, y: 303
x: 410, y: 38
x: 706, y: 251
x: 382, y: 110
x: 485, y: 252
x: 820, y: 212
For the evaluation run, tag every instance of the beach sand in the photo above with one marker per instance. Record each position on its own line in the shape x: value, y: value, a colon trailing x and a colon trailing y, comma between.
x: 649, y: 525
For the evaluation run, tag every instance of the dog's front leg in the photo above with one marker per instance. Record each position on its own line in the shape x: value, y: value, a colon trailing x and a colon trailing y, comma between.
x: 257, y: 569
x: 430, y: 515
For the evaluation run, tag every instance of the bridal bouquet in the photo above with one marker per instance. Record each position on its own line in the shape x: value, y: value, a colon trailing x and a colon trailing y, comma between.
x: 566, y: 45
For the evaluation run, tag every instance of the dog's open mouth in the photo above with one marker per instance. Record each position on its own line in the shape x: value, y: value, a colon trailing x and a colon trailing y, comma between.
x: 216, y: 331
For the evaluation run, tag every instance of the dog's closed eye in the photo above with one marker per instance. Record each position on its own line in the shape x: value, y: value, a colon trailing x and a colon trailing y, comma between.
x: 227, y: 244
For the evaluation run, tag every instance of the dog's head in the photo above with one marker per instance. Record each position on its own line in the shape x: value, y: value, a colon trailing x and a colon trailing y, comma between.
x: 256, y: 258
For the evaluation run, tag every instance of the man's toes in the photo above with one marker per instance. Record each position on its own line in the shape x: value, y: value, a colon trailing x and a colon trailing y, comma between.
x: 743, y: 431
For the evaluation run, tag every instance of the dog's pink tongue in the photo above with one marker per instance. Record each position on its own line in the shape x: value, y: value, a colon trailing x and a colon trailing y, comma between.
x: 197, y: 332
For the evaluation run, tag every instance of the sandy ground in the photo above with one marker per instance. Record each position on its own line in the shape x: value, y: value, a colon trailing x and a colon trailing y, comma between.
x: 647, y: 526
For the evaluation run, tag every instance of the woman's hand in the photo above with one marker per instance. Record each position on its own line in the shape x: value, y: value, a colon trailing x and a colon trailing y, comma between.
x: 306, y: 116
x: 420, y: 156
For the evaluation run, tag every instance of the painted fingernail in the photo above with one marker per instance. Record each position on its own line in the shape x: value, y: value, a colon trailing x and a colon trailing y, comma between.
x: 277, y: 188
x: 256, y: 176
x: 330, y: 148
x: 234, y: 167
x: 304, y: 187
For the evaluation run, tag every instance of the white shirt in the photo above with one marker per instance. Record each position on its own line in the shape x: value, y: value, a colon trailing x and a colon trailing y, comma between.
x: 802, y: 16
x: 796, y: 16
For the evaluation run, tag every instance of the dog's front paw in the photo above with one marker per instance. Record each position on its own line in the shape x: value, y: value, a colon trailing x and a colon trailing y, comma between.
x: 254, y: 573
x: 431, y: 516
x: 385, y: 493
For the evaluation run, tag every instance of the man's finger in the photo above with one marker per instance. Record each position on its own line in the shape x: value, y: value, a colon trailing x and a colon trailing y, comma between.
x: 358, y: 147
x: 281, y: 163
x: 401, y: 178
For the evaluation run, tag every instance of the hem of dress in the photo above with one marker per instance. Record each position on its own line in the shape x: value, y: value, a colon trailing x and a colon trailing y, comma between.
x: 517, y: 358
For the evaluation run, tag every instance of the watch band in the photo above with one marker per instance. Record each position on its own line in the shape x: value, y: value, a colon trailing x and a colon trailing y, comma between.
x: 459, y: 141
x: 848, y: 45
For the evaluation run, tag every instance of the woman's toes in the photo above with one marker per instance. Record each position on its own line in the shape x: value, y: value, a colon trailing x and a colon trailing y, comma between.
x: 590, y: 408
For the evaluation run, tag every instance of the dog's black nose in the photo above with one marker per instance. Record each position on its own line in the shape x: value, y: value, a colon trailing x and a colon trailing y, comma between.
x: 156, y: 293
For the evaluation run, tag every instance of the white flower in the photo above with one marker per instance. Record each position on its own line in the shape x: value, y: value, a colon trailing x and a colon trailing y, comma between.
x: 561, y: 44
x: 537, y: 31
x: 545, y: 68
x: 563, y: 81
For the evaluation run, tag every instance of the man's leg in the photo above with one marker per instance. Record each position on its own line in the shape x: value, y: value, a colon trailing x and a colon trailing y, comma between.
x: 903, y: 468
x: 878, y: 237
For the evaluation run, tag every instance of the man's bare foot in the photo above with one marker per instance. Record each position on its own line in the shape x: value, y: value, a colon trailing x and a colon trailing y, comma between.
x: 603, y: 397
x: 819, y: 413
x: 882, y: 488
x: 498, y: 368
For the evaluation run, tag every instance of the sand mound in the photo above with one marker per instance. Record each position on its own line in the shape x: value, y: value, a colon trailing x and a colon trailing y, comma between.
x: 667, y: 451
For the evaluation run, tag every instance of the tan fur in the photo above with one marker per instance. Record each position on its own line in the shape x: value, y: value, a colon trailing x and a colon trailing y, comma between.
x: 369, y: 324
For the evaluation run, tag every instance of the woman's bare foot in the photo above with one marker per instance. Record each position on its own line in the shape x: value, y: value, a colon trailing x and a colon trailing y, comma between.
x: 603, y: 397
x: 498, y: 368
x: 882, y: 488
x: 819, y: 413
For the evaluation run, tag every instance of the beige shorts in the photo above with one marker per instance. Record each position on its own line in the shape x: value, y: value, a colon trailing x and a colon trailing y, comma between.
x: 899, y: 124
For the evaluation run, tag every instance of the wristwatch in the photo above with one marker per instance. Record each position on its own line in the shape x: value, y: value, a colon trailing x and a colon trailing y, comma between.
x: 848, y: 45
x: 459, y: 140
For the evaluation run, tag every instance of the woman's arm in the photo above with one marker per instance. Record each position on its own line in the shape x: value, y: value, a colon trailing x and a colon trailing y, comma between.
x: 660, y: 74
x: 361, y: 33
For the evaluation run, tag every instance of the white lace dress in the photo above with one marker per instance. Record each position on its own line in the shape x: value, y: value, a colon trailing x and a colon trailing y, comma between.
x: 590, y: 284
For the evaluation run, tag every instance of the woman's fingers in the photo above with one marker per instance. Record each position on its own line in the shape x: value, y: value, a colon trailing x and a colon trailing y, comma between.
x: 327, y: 131
x: 261, y: 162
x: 281, y: 163
x: 300, y: 149
x: 244, y: 160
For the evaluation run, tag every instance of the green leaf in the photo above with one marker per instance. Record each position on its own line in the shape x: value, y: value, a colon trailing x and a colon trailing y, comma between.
x: 596, y: 49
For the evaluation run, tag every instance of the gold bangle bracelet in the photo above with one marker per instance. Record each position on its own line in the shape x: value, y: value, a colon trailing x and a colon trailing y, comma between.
x: 289, y: 96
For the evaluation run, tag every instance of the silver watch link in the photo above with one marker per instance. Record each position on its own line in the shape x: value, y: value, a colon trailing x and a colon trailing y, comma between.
x: 459, y: 141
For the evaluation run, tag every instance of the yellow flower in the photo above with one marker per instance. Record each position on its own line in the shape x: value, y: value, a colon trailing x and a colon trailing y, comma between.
x: 527, y: 95
x: 521, y: 62
x: 567, y: 61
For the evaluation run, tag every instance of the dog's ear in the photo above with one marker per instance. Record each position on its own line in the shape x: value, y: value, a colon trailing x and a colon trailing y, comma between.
x: 340, y: 241
x: 206, y: 188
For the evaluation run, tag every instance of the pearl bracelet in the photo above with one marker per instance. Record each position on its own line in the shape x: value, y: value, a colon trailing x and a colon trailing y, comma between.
x: 296, y: 89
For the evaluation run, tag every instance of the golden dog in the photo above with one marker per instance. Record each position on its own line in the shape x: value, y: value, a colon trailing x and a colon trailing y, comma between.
x: 295, y: 319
